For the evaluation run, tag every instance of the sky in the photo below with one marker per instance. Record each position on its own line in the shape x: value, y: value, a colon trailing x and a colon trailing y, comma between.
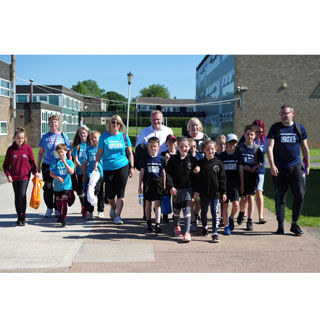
x: 176, y: 72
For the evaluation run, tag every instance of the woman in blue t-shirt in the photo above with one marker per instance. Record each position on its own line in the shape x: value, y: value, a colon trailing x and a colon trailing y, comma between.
x: 80, y: 144
x: 47, y: 153
x: 117, y: 166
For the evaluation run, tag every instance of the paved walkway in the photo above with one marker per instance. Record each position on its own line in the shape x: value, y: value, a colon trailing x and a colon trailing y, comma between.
x: 100, y: 246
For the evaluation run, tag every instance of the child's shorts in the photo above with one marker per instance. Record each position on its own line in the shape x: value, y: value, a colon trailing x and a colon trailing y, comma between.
x: 250, y: 183
x: 182, y: 199
x: 232, y: 194
x: 61, y: 193
x: 153, y: 189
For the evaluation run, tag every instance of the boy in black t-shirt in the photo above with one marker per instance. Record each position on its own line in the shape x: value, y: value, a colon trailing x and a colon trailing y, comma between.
x: 252, y: 160
x: 153, y: 177
x: 232, y: 162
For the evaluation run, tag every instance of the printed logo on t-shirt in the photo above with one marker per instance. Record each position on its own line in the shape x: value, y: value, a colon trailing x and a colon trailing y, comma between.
x: 14, y: 156
x: 115, y: 145
x: 24, y: 156
x: 216, y: 168
x: 288, y: 138
x: 189, y: 165
x: 230, y: 166
x: 154, y: 168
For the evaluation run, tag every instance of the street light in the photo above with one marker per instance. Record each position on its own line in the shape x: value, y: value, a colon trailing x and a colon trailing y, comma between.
x: 129, y: 75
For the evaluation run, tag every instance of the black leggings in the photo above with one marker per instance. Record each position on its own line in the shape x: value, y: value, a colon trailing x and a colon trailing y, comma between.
x: 20, y: 196
x: 116, y: 181
x: 48, y: 186
x: 99, y: 193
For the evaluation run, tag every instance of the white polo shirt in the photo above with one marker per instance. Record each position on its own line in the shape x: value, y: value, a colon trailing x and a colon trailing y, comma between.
x: 149, y: 132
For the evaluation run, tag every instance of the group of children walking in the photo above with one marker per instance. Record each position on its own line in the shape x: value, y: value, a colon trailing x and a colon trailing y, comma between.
x: 218, y: 172
x: 196, y: 178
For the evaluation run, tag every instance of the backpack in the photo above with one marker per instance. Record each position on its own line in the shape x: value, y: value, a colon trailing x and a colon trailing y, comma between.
x: 127, y: 152
x: 279, y: 126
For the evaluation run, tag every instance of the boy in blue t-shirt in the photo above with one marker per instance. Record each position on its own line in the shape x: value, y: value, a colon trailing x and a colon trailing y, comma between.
x: 88, y: 167
x: 252, y: 160
x: 61, y: 170
x: 153, y: 177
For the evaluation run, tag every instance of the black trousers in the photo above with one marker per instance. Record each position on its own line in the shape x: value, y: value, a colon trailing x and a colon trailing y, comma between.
x: 20, y: 196
x: 48, y: 186
x: 295, y: 178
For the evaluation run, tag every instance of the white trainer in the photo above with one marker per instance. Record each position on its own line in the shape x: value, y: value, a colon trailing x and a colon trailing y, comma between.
x: 100, y: 214
x: 117, y: 220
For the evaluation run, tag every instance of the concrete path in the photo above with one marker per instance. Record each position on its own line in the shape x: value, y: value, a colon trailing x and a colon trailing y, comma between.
x: 101, y: 246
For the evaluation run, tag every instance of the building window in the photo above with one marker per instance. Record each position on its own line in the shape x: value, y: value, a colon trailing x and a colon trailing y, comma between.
x: 3, y: 128
x: 54, y: 100
x: 5, y: 88
x: 22, y: 98
x: 43, y: 98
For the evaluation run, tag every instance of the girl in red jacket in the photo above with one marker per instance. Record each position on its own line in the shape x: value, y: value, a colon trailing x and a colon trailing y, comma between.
x: 18, y: 165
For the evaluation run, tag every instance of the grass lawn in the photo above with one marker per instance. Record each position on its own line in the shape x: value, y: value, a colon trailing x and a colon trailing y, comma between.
x: 310, y: 214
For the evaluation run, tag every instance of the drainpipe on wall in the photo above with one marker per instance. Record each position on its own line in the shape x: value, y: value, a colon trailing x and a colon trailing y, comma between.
x: 31, y: 93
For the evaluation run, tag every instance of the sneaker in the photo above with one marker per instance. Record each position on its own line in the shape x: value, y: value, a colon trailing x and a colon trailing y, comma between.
x: 249, y: 226
x: 240, y: 218
x: 56, y: 213
x: 221, y: 224
x: 18, y: 222
x: 177, y: 231
x: 204, y: 231
x: 215, y: 238
x: 187, y: 237
x: 280, y: 230
x: 48, y: 213
x: 117, y: 220
x: 23, y: 221
x: 296, y: 229
x: 149, y: 229
x: 112, y: 214
x: 100, y: 214
x: 227, y: 231
x: 63, y: 223
x: 231, y: 224
x: 194, y: 227
x: 89, y: 216
x: 165, y: 218
x: 157, y: 229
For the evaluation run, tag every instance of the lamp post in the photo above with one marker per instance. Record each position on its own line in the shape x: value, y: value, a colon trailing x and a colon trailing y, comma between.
x: 129, y: 75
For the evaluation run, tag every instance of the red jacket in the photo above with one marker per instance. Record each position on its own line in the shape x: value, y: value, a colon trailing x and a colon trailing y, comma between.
x: 19, y: 162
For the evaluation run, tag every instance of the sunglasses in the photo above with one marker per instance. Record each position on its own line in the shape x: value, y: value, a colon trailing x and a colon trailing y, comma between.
x: 284, y: 113
x: 115, y: 122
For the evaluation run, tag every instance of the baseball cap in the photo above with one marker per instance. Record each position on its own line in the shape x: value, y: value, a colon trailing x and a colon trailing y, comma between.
x: 171, y: 137
x: 231, y: 137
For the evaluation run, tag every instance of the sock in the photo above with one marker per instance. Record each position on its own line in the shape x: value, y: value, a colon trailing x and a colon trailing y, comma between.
x: 64, y: 208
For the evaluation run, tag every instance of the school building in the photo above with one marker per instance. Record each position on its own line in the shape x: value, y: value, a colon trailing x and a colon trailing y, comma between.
x: 6, y: 107
x: 46, y: 101
x: 239, y: 89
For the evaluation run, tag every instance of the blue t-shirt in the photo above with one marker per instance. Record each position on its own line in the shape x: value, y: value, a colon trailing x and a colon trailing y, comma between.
x: 81, y: 154
x: 49, y: 142
x: 59, y: 169
x: 153, y: 166
x: 250, y: 156
x: 114, y: 150
x: 91, y: 158
x: 263, y: 147
x: 286, y: 150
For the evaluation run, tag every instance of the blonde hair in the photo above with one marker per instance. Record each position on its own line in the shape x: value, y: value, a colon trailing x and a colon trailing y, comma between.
x: 205, y: 143
x: 197, y: 121
x: 155, y: 112
x: 220, y: 138
x: 53, y: 117
x: 91, y: 134
x: 21, y: 130
x: 118, y: 118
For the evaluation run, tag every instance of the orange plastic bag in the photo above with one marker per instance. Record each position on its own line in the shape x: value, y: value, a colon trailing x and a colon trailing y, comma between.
x: 35, y: 195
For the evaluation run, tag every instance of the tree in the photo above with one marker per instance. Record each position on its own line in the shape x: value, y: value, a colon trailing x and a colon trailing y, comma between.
x: 89, y: 88
x: 155, y: 90
x: 112, y: 105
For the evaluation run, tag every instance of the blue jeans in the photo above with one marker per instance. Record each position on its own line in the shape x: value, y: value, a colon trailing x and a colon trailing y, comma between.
x: 214, y: 204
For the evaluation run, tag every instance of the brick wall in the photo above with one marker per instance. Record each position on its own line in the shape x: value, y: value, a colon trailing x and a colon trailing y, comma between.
x: 264, y: 76
x: 6, y: 140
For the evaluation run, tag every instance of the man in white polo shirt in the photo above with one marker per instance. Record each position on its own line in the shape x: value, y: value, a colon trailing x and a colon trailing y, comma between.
x: 157, y: 129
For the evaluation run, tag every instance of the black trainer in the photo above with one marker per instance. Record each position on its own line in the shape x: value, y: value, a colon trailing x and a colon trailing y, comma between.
x: 157, y: 229
x: 63, y: 222
x: 18, y: 222
x: 240, y: 218
x: 280, y: 230
x: 296, y: 229
x: 249, y: 226
x: 23, y: 221
x: 204, y: 231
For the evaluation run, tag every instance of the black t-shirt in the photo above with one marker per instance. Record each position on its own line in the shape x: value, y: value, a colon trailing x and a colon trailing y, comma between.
x: 231, y: 163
